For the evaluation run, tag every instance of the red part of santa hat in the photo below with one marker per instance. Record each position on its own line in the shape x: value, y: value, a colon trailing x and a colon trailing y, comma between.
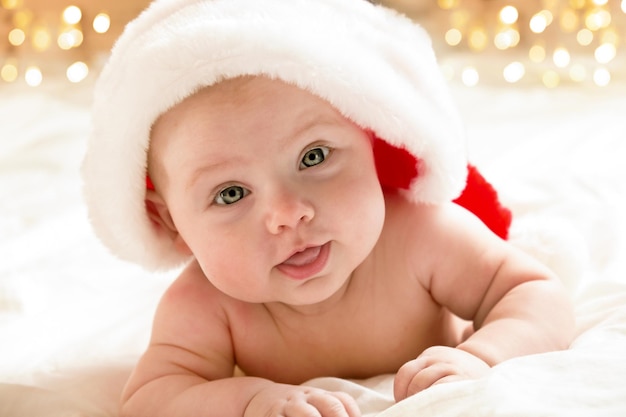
x: 374, y: 65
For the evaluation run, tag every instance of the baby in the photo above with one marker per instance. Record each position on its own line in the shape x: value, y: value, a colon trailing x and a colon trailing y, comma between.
x: 230, y: 136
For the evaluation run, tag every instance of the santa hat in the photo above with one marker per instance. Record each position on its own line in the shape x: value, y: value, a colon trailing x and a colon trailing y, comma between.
x: 374, y: 65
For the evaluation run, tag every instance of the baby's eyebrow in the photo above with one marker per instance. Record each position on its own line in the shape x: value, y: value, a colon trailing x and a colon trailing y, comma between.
x: 319, y: 120
x: 203, y: 170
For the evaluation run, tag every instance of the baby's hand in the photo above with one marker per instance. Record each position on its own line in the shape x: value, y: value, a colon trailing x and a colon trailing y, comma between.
x: 300, y: 401
x: 436, y: 364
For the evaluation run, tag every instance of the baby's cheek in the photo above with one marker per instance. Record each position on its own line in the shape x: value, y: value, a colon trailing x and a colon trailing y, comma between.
x: 234, y: 267
x: 366, y: 211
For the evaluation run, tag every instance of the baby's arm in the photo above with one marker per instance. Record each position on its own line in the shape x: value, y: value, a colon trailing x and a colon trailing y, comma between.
x: 516, y: 304
x: 188, y: 368
x: 189, y: 396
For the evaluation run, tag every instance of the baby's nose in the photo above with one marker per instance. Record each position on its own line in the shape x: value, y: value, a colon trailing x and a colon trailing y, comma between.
x: 288, y: 210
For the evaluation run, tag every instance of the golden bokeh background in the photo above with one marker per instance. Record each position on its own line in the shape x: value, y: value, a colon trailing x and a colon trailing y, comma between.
x: 524, y: 42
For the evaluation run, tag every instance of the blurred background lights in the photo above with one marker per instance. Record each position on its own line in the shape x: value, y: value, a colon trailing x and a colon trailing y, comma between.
x: 447, y: 4
x: 22, y: 18
x: 72, y: 15
x: 578, y: 73
x: 101, y: 23
x: 610, y: 36
x: 508, y: 38
x: 11, y: 4
x: 540, y: 21
x: 33, y: 76
x: 514, y: 72
x: 77, y: 72
x: 537, y: 53
x: 508, y: 15
x: 551, y: 79
x: 38, y: 36
x: 541, y: 42
x: 598, y: 19
x: 569, y: 20
x: 605, y: 53
x: 41, y: 38
x: 17, y: 37
x: 459, y: 19
x: 69, y: 39
x: 561, y: 57
x: 584, y: 37
x: 601, y: 77
x: 9, y: 72
x: 470, y: 76
x: 453, y: 37
x: 478, y: 39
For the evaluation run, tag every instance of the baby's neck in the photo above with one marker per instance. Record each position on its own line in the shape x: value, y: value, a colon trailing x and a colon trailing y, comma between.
x: 335, y: 304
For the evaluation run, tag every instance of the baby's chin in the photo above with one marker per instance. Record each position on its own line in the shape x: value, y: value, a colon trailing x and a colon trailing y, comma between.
x: 318, y: 295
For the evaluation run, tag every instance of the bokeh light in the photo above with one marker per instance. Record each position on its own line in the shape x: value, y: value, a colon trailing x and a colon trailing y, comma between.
x: 77, y: 72
x: 72, y: 15
x: 33, y: 76
x: 101, y: 23
x: 470, y: 76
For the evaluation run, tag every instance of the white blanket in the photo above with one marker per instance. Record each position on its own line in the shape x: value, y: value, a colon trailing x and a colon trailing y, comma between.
x: 73, y: 320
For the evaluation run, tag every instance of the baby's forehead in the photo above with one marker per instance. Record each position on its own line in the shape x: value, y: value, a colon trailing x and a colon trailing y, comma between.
x: 234, y: 100
x: 228, y: 91
x: 234, y: 93
x: 246, y: 86
x: 234, y: 88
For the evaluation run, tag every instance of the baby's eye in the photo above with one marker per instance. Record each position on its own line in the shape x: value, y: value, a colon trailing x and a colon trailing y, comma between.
x: 314, y: 157
x: 231, y: 195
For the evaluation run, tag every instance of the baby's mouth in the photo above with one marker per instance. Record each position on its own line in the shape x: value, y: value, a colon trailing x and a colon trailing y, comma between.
x: 306, y: 263
x: 304, y: 257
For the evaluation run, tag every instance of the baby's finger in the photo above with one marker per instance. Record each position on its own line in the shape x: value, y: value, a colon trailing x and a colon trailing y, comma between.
x: 428, y: 377
x: 334, y: 404
x: 300, y: 408
x: 349, y: 403
x: 403, y: 378
x: 414, y: 377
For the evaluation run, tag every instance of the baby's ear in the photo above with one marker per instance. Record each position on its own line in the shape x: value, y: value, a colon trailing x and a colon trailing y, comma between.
x: 158, y: 213
x: 161, y: 219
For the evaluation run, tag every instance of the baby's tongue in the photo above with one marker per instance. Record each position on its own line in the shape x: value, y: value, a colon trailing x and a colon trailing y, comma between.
x: 304, y: 258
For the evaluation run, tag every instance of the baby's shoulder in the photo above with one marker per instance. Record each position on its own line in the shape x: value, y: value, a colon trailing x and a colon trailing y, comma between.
x: 191, y: 293
x: 408, y: 220
x: 425, y: 222
x: 420, y: 235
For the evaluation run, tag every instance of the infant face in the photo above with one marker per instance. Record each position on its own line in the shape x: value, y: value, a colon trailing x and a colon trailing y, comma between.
x: 273, y: 191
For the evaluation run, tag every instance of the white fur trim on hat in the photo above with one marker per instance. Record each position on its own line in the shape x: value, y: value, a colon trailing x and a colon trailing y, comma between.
x: 373, y: 64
